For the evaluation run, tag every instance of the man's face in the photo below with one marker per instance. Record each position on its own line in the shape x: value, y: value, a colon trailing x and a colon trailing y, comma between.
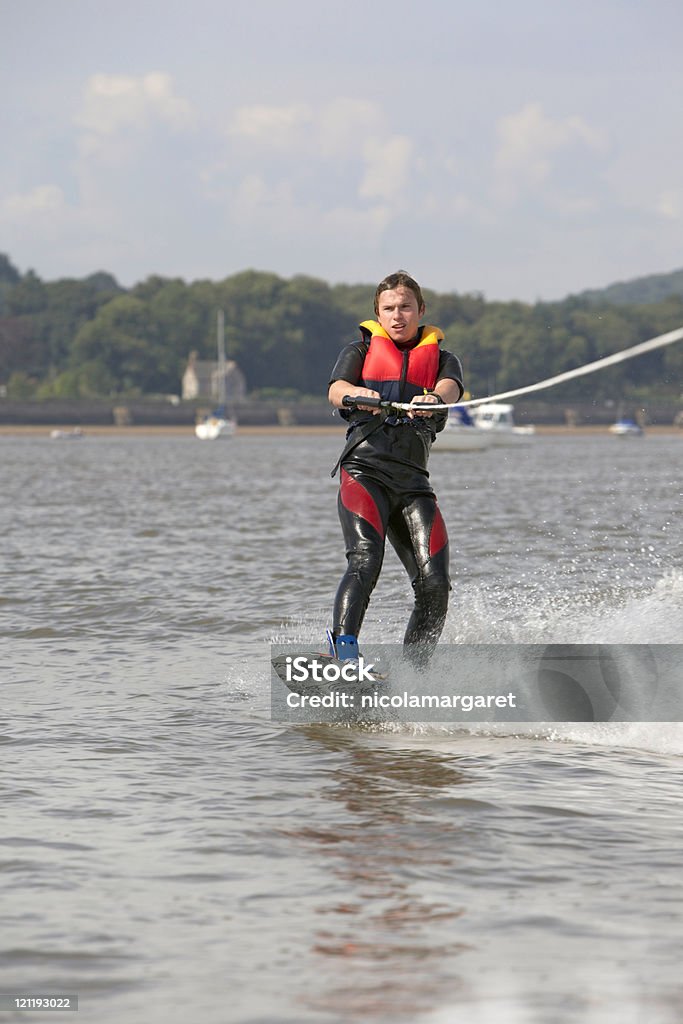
x: 399, y: 314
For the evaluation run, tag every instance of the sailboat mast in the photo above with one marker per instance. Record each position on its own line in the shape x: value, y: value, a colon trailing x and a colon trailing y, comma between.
x: 220, y: 341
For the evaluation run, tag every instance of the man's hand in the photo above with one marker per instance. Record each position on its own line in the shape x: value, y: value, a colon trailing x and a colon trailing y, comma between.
x: 341, y: 388
x: 422, y: 399
x: 360, y: 392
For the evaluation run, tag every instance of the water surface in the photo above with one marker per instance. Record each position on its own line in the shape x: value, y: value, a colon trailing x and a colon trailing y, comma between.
x: 169, y: 853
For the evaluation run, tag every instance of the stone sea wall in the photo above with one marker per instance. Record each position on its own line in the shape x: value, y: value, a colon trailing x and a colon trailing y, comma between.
x: 139, y: 412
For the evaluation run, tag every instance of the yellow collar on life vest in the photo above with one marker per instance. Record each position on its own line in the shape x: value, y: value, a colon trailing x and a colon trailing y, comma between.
x: 430, y: 335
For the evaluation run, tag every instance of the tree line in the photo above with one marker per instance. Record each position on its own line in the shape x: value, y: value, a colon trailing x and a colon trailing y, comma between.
x: 82, y: 338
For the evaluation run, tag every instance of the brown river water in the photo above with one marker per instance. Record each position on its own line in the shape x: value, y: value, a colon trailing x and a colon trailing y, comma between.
x: 170, y: 853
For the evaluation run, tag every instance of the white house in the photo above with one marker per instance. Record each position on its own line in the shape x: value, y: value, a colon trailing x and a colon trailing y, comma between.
x: 201, y: 379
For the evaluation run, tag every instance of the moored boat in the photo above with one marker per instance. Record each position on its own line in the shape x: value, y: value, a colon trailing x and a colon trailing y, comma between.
x: 626, y: 428
x: 67, y: 435
x: 496, y: 419
x: 214, y: 426
x: 461, y: 434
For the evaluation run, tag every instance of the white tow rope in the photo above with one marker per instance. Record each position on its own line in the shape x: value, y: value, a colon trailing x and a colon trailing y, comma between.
x: 617, y: 357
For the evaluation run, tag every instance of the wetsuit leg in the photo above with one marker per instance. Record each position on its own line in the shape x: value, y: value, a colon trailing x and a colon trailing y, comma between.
x: 363, y: 512
x: 418, y: 534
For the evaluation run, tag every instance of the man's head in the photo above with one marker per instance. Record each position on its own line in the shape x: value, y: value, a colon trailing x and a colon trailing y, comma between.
x: 401, y: 279
x: 399, y: 306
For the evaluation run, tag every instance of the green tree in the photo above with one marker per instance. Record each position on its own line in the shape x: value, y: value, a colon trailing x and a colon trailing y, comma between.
x: 29, y: 295
x: 9, y: 278
x: 21, y: 385
x: 122, y: 343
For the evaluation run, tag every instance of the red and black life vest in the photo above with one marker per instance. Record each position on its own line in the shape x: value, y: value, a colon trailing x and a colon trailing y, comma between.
x: 399, y: 375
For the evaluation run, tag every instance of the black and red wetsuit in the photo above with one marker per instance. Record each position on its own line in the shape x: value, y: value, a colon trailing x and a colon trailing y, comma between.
x: 385, y: 490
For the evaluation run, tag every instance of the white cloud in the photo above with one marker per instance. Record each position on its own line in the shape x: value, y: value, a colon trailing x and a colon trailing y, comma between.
x: 52, y: 223
x: 133, y: 136
x: 298, y: 167
x: 387, y: 169
x: 275, y: 211
x: 272, y: 126
x: 346, y: 125
x: 529, y: 143
x: 130, y: 143
x: 255, y: 201
x: 349, y: 223
x: 343, y: 130
x: 41, y: 214
x: 122, y: 116
x: 43, y: 200
x: 113, y: 103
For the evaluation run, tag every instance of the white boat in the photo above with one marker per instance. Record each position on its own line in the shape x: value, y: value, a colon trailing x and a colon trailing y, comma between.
x: 212, y: 427
x: 461, y: 434
x: 67, y: 435
x: 217, y: 424
x: 626, y: 428
x: 496, y: 419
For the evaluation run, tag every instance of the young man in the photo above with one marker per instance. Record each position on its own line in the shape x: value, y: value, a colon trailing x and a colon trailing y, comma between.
x: 385, y: 490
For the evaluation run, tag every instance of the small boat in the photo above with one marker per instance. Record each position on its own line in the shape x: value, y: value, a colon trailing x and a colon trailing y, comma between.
x: 461, y: 434
x: 496, y: 419
x: 626, y: 428
x: 67, y: 435
x: 217, y: 424
x: 214, y: 426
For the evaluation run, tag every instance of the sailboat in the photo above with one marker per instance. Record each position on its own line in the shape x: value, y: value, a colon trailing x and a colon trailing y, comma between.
x: 217, y: 424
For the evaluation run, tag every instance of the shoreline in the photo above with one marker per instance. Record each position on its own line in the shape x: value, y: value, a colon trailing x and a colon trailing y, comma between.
x: 43, y: 430
x: 148, y: 430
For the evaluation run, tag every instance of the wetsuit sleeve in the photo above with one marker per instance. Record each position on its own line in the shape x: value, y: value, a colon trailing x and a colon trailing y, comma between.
x: 349, y: 365
x: 449, y: 366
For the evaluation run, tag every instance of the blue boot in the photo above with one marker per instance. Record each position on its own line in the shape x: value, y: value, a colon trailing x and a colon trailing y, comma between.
x: 343, y: 647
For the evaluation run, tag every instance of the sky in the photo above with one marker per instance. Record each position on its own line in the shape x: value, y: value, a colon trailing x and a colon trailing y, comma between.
x: 525, y: 151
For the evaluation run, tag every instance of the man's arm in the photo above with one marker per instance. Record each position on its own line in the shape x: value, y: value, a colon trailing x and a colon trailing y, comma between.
x: 347, y: 373
x: 448, y: 390
x: 340, y: 388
